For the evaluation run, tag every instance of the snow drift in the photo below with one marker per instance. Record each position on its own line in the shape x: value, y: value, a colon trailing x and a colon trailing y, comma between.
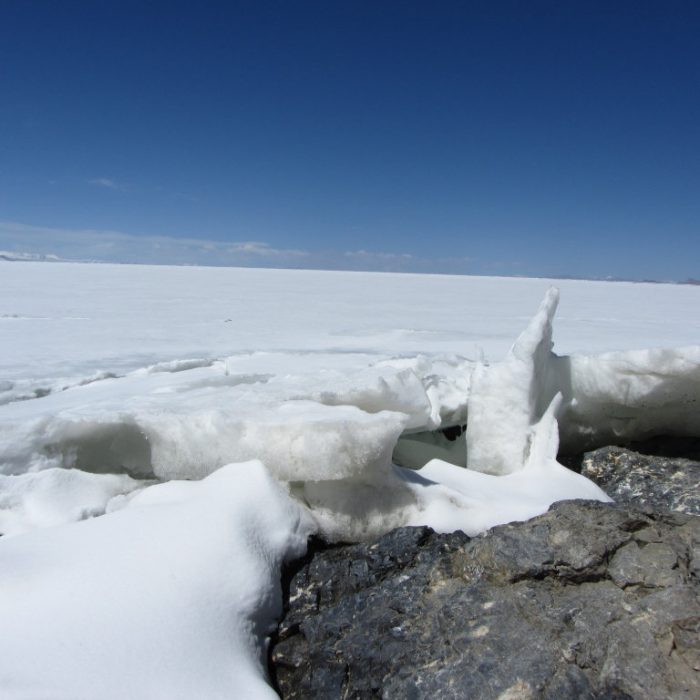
x: 172, y: 596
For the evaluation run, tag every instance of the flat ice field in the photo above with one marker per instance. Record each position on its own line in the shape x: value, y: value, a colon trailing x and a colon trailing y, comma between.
x: 169, y: 436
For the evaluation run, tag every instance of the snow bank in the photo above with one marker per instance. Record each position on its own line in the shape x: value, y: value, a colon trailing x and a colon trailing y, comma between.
x: 447, y: 497
x: 154, y: 426
x: 171, y: 597
x: 608, y: 398
x: 57, y: 496
x: 298, y: 441
x: 617, y: 397
x: 329, y: 422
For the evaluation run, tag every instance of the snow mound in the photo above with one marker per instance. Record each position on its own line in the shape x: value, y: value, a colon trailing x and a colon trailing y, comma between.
x: 173, y: 596
x: 57, y: 496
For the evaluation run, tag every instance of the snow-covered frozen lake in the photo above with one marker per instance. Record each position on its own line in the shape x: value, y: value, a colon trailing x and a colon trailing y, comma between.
x: 60, y: 319
x: 170, y: 435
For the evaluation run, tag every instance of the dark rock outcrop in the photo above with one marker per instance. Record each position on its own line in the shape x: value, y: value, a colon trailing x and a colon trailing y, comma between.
x: 656, y: 482
x: 587, y: 601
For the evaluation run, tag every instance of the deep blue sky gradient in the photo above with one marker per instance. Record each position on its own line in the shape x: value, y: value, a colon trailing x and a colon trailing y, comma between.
x: 533, y: 138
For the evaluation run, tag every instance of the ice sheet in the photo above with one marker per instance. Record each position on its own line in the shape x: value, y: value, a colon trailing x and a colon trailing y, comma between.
x: 66, y: 320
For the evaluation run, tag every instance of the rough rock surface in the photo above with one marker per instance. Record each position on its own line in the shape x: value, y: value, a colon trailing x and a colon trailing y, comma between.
x: 656, y: 482
x: 587, y: 601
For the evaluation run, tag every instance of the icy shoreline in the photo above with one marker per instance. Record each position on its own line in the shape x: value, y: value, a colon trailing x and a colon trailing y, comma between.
x: 192, y: 481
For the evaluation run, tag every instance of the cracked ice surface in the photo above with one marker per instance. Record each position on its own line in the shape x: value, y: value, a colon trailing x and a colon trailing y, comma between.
x: 268, y: 404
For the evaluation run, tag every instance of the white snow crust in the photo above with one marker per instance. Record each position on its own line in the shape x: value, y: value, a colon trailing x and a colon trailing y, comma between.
x: 172, y: 596
x: 200, y: 424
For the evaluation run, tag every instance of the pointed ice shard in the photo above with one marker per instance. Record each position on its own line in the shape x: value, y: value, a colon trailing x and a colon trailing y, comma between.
x: 508, y: 398
x: 544, y: 436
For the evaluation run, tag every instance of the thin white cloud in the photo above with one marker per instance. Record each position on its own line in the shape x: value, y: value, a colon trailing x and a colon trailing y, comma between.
x: 107, y: 183
x: 364, y: 254
x: 264, y: 250
x: 39, y: 242
x: 116, y: 246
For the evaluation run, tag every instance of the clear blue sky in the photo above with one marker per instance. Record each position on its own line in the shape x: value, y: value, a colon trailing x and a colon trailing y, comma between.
x: 533, y: 138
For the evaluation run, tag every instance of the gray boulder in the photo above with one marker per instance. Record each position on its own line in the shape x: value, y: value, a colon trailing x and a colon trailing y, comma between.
x: 587, y: 601
x: 651, y: 481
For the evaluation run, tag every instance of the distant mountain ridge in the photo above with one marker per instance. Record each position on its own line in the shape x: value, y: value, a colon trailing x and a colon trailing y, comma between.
x: 29, y: 257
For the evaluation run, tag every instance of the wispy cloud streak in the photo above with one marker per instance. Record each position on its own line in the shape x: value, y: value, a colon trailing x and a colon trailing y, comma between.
x: 119, y: 247
x: 107, y: 183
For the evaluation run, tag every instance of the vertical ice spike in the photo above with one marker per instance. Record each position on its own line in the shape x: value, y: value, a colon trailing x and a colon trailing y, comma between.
x: 508, y: 398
